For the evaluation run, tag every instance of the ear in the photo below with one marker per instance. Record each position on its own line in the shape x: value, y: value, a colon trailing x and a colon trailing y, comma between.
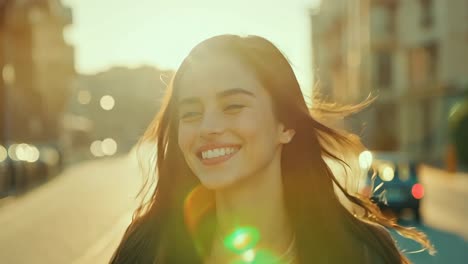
x: 287, y: 135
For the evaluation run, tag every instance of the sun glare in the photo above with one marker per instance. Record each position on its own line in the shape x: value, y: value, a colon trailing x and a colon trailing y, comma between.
x: 161, y: 33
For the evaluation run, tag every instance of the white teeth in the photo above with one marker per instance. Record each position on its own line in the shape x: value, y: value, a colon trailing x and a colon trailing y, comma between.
x: 214, y: 153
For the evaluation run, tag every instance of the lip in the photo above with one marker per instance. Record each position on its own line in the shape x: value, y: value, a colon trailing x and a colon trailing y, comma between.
x: 217, y: 160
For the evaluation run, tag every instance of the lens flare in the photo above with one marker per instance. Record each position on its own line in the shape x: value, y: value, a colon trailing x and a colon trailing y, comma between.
x: 242, y: 239
x: 260, y: 256
x: 249, y: 255
x: 197, y: 205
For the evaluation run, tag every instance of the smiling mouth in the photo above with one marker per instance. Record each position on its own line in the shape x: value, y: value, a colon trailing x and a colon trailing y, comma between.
x: 217, y: 155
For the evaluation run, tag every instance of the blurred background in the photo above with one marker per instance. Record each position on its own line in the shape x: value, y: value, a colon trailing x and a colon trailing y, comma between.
x: 80, y: 80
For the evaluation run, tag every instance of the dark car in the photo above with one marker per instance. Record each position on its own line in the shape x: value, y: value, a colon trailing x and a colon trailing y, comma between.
x: 23, y: 166
x: 393, y: 184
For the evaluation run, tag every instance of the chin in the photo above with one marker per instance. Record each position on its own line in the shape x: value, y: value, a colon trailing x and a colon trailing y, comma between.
x: 214, y: 183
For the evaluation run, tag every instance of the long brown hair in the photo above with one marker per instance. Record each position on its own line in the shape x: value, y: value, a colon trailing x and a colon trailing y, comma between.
x: 326, y: 231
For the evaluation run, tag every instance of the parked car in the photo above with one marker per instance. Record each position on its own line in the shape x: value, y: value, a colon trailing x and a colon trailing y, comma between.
x: 22, y: 166
x: 393, y: 183
x: 5, y: 177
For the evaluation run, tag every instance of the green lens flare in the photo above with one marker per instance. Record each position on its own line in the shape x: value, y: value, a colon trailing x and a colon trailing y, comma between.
x: 261, y: 257
x: 242, y: 239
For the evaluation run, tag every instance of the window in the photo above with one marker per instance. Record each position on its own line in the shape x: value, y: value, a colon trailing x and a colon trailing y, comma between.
x: 384, y: 69
x: 432, y: 51
x: 427, y: 13
x: 383, y: 21
x: 423, y: 64
x: 386, y: 138
x: 427, y: 119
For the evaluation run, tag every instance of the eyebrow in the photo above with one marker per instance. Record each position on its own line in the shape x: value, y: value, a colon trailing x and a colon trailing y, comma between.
x: 225, y: 93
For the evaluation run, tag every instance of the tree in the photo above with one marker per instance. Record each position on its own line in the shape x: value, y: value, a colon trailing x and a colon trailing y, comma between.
x: 458, y: 121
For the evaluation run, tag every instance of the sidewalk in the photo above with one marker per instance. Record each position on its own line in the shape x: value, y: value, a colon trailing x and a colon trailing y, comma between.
x: 445, y: 203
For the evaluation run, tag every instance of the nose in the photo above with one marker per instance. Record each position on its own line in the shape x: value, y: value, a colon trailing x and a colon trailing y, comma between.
x: 212, y: 124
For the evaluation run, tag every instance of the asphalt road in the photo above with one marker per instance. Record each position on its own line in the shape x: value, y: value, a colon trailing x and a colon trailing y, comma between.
x: 451, y: 248
x: 80, y: 216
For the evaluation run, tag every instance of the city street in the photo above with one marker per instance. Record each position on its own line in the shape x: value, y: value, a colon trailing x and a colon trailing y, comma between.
x: 82, y: 82
x: 76, y: 218
x: 450, y: 248
x: 80, y: 216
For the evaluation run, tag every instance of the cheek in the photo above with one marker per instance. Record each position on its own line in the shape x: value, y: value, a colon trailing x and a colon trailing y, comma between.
x: 255, y: 128
x: 248, y: 127
x: 186, y: 138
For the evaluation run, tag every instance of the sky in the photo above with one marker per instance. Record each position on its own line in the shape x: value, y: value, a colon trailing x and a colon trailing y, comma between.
x: 107, y: 33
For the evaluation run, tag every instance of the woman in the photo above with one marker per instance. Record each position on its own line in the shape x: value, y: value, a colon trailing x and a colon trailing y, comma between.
x: 241, y: 171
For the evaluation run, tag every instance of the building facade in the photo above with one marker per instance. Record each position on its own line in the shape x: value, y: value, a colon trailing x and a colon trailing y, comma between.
x: 410, y: 54
x: 37, y: 68
x: 116, y: 104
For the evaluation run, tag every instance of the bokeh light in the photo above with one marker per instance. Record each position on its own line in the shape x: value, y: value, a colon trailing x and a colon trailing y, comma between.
x: 107, y: 102
x: 12, y: 152
x: 365, y: 160
x: 21, y: 151
x: 404, y: 172
x: 96, y: 148
x: 417, y: 191
x: 3, y: 153
x: 387, y: 173
x: 84, y: 97
x: 109, y: 146
x: 27, y: 153
x: 33, y: 154
x: 8, y: 74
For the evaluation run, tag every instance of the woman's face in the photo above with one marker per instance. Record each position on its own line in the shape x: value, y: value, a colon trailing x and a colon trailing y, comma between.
x: 227, y: 129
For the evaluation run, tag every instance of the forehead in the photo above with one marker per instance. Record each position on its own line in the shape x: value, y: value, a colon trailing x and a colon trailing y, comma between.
x: 217, y: 72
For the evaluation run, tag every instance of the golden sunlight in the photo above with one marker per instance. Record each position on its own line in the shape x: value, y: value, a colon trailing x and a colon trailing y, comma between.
x: 120, y: 32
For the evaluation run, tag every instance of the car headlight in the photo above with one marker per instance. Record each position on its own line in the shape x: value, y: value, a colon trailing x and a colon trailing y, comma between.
x: 3, y: 153
x: 26, y: 152
x: 387, y: 172
x: 365, y: 159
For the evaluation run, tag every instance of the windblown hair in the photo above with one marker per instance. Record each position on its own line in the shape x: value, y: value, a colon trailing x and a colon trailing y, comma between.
x: 326, y: 231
